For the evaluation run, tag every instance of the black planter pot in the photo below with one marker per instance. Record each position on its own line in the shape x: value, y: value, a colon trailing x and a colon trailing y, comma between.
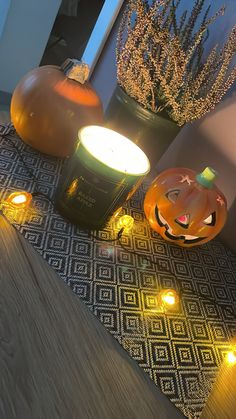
x: 153, y: 133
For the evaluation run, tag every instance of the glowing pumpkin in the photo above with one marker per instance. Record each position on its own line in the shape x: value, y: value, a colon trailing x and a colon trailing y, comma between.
x: 50, y: 104
x: 184, y: 207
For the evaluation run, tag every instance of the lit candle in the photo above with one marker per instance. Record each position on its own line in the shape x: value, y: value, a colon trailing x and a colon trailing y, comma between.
x: 104, y: 171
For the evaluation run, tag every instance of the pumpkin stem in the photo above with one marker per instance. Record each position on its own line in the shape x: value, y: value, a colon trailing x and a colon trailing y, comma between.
x: 207, y: 177
x: 75, y: 70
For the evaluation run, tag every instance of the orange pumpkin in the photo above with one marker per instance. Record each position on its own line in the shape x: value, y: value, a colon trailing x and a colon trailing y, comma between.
x: 50, y: 104
x: 184, y: 207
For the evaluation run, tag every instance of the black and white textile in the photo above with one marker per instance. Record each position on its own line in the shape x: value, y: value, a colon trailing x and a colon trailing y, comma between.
x: 181, y: 351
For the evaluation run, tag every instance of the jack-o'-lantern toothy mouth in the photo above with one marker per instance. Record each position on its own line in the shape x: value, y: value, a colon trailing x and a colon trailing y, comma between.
x: 187, y: 238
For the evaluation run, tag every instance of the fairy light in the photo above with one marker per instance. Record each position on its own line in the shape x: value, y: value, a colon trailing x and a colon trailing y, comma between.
x: 16, y: 207
x: 168, y: 298
x: 231, y: 357
x: 18, y: 200
x: 125, y: 222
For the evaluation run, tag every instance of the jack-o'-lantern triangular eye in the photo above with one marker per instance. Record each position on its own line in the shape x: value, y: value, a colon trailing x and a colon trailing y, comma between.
x: 210, y: 220
x: 173, y: 195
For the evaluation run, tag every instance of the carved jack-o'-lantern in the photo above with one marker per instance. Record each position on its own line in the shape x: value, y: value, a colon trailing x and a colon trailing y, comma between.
x: 184, y: 207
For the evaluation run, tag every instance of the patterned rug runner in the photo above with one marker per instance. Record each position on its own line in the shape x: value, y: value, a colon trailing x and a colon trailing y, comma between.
x: 180, y: 350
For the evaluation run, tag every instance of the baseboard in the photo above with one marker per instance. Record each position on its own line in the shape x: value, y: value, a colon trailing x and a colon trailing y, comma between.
x: 5, y: 98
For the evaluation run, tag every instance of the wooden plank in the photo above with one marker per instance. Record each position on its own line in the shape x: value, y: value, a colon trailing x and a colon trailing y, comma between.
x: 56, y: 358
x: 221, y: 403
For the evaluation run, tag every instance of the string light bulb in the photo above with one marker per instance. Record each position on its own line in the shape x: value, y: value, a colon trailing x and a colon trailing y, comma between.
x: 125, y: 222
x: 19, y: 199
x: 231, y: 357
x: 16, y: 207
x: 168, y: 298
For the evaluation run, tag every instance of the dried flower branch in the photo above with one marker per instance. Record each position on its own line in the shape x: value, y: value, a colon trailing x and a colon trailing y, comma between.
x: 159, y: 59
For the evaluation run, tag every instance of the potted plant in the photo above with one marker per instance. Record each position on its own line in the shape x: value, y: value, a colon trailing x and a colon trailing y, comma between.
x: 165, y: 78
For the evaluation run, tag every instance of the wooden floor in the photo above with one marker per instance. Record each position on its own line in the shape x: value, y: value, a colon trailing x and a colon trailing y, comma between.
x: 57, y: 361
x: 221, y: 403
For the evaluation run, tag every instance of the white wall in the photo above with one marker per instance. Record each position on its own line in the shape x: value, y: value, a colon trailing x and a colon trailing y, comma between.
x: 24, y: 37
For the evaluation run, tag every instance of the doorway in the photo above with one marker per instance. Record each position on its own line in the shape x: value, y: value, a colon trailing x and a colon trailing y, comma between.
x: 71, y: 30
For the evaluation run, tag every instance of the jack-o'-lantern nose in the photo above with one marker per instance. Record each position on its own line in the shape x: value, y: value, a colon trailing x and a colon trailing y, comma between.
x: 183, y: 220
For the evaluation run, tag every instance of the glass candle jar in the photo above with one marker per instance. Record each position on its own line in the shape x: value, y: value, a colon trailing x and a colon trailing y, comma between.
x: 104, y: 171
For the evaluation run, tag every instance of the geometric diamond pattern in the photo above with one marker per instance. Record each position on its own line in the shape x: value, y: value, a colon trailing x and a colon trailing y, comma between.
x: 185, y: 356
x: 103, y: 273
x: 57, y: 244
x: 127, y: 276
x: 197, y: 272
x: 83, y: 289
x: 218, y: 332
x: 82, y: 248
x: 168, y: 382
x: 105, y: 295
x: 148, y: 280
x: 206, y: 355
x: 131, y: 323
x: 181, y: 350
x: 204, y: 289
x: 199, y: 330
x: 193, y: 307
x: 79, y: 267
x: 211, y: 311
x: 191, y: 385
x: 181, y: 269
x: 161, y: 354
x: 137, y: 349
x: 129, y: 298
x: 157, y: 327
x: 109, y: 318
x: 178, y: 328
